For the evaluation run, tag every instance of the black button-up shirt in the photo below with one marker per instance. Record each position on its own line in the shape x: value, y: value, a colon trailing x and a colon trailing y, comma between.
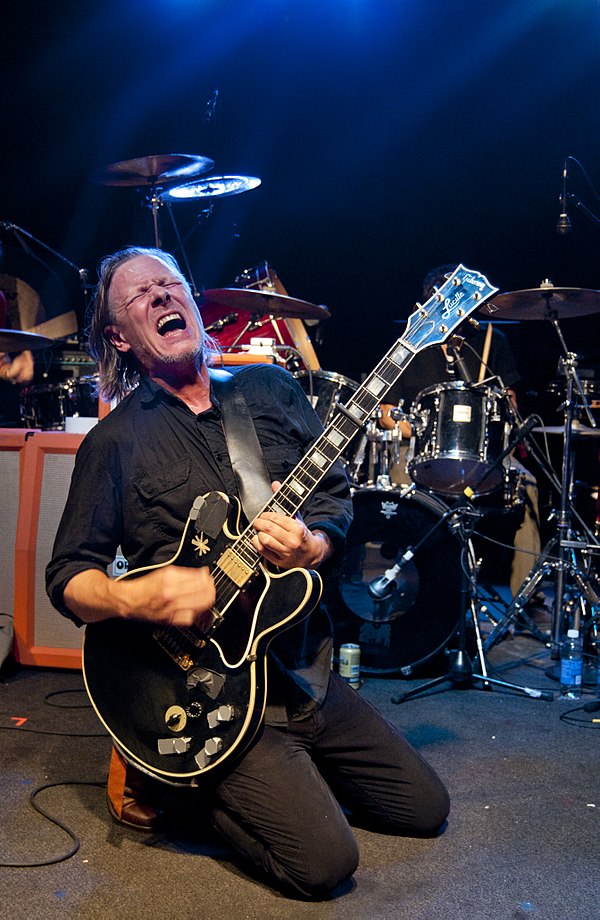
x: 139, y: 470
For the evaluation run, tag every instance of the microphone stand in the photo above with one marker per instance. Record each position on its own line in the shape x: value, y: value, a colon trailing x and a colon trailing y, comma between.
x: 460, y: 667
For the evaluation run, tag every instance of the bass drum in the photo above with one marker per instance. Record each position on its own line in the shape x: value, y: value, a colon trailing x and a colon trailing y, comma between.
x: 420, y: 617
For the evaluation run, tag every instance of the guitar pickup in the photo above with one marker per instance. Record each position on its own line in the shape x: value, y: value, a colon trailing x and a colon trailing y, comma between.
x: 173, y: 745
x: 235, y: 568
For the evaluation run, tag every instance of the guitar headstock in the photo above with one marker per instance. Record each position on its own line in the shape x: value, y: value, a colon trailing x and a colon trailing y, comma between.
x: 433, y: 321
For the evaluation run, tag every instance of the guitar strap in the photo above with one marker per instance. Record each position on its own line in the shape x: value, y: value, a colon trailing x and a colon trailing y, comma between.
x: 245, y: 453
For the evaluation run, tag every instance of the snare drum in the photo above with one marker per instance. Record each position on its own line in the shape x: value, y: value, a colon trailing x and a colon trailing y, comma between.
x: 421, y: 615
x: 460, y: 432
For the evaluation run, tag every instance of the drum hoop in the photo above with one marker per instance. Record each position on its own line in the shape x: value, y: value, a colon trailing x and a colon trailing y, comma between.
x: 413, y: 493
x: 328, y: 375
x: 458, y: 385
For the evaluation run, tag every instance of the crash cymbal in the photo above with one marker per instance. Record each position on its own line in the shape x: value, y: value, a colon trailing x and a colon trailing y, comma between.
x: 545, y: 302
x: 153, y: 170
x: 213, y: 187
x: 13, y: 340
x: 577, y: 430
x: 264, y: 303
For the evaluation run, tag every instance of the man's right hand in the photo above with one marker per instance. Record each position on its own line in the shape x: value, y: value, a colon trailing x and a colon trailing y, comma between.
x: 170, y: 596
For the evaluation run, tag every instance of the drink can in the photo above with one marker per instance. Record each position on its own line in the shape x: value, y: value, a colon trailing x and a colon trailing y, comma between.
x: 349, y: 663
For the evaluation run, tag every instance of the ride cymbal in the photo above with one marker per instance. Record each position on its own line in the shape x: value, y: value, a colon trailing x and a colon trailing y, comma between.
x: 212, y: 187
x: 264, y: 303
x: 545, y: 302
x: 14, y: 340
x: 153, y: 170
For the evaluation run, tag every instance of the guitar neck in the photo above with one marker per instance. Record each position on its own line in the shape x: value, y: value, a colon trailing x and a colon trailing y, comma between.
x: 432, y: 323
x: 331, y: 444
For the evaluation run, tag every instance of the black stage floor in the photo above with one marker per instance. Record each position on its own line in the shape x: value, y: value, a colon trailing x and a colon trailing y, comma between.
x: 521, y: 840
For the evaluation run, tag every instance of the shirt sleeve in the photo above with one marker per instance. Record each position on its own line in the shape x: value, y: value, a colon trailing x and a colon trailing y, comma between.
x: 89, y: 532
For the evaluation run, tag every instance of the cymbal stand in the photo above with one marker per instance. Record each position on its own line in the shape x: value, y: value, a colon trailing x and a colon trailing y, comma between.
x: 460, y: 672
x: 560, y: 556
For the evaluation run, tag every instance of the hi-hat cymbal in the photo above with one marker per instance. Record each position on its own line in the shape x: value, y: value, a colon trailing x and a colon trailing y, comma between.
x: 577, y: 430
x: 264, y: 303
x: 14, y: 340
x: 213, y: 187
x: 545, y: 302
x: 153, y: 170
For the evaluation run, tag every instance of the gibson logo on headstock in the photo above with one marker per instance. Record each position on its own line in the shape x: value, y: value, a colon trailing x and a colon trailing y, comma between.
x: 475, y: 281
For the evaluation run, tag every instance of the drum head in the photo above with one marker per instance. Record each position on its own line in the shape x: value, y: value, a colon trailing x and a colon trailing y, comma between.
x: 421, y: 615
x: 324, y: 390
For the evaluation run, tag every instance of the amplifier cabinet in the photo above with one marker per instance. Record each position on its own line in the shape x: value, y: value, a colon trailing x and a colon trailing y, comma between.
x: 42, y: 635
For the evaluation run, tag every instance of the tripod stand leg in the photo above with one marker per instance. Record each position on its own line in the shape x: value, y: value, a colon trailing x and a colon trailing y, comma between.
x: 516, y: 607
x: 528, y: 691
x: 430, y: 683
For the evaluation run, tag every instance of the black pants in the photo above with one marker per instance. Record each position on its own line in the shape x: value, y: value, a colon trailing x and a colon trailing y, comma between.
x: 280, y: 808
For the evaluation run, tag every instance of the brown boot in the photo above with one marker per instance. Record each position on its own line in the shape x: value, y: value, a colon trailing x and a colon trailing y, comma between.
x: 133, y: 798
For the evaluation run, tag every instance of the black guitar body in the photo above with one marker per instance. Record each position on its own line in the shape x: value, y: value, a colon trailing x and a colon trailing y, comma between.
x: 178, y: 702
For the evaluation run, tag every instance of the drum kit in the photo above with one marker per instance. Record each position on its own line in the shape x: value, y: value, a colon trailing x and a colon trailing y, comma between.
x: 461, y: 434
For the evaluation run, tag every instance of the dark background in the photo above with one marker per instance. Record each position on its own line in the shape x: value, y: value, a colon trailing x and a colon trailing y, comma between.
x: 389, y: 135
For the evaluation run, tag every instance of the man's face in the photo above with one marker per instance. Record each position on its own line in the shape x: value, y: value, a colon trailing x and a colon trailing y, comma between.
x: 154, y: 316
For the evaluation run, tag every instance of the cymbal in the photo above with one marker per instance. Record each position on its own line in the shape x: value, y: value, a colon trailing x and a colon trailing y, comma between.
x: 14, y: 340
x: 213, y: 187
x: 577, y: 430
x: 545, y: 302
x: 153, y: 169
x: 262, y: 303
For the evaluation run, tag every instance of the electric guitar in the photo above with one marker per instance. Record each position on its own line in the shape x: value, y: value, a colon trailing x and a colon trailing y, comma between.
x: 179, y: 702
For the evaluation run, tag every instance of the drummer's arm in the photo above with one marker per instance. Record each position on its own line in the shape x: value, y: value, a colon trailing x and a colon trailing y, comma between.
x: 386, y: 421
x: 19, y: 369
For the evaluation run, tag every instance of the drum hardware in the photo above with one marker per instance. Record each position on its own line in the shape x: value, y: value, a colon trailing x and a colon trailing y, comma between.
x: 461, y: 518
x: 564, y: 560
x: 39, y: 293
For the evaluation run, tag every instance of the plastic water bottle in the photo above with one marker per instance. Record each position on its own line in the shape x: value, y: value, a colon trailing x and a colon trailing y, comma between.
x: 571, y: 666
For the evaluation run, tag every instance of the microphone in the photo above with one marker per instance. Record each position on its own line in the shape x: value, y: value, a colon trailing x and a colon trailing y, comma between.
x: 526, y: 428
x: 382, y: 587
x: 563, y: 224
x: 459, y: 361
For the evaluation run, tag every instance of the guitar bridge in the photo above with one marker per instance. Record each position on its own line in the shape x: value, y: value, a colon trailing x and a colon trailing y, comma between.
x: 172, y: 647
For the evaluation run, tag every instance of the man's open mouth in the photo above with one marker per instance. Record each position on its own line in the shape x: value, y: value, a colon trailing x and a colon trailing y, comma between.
x: 170, y: 323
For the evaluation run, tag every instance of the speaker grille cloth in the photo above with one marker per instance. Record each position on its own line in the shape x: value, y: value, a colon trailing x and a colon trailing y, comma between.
x: 52, y: 630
